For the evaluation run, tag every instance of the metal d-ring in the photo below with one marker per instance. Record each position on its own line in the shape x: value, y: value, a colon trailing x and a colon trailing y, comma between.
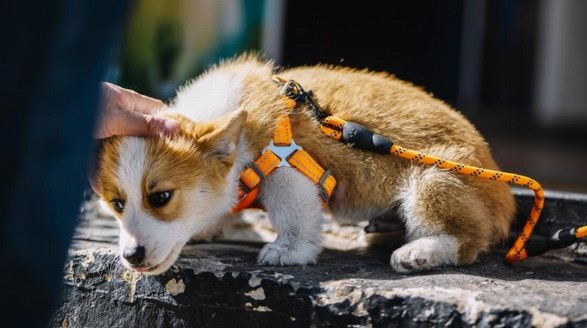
x: 283, y: 152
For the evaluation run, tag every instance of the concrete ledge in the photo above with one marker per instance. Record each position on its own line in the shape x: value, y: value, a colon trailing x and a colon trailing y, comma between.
x: 220, y: 285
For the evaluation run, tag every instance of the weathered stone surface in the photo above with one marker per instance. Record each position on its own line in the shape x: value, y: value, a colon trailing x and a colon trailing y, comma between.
x: 220, y: 285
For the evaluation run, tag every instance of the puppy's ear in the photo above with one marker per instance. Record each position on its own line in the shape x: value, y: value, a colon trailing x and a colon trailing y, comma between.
x: 92, y: 173
x: 221, y: 142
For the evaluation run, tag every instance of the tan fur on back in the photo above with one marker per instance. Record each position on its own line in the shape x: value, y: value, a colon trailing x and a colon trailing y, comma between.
x: 400, y: 111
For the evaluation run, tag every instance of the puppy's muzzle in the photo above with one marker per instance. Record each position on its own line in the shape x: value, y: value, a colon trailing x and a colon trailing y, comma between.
x: 134, y: 255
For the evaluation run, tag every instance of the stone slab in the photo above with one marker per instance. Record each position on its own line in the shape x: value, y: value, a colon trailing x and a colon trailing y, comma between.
x: 219, y: 284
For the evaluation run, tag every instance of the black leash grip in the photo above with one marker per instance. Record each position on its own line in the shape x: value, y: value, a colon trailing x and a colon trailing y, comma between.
x: 560, y: 239
x: 362, y: 138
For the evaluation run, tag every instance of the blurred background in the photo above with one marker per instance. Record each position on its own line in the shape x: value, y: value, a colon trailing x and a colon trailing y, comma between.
x: 516, y: 68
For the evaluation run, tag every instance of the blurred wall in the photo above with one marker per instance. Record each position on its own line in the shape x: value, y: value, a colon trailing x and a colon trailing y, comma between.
x: 514, y: 59
x: 561, y: 70
x: 417, y: 40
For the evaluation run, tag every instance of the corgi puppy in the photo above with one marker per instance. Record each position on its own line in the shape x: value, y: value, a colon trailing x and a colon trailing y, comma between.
x: 165, y: 190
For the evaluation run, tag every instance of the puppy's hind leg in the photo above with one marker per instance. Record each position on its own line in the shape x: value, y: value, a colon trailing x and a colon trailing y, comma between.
x: 446, y: 222
x: 295, y: 210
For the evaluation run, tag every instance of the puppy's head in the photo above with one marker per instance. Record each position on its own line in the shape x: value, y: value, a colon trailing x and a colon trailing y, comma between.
x: 163, y: 190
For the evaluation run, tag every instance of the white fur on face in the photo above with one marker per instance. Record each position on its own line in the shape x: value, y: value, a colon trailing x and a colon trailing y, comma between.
x: 162, y: 240
x: 204, y: 206
x: 211, y: 96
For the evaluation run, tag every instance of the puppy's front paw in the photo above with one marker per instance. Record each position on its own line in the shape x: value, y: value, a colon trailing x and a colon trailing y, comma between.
x: 298, y: 254
x: 425, y: 254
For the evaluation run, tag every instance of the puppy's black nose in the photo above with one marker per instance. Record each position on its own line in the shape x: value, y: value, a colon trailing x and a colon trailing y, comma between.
x: 134, y: 255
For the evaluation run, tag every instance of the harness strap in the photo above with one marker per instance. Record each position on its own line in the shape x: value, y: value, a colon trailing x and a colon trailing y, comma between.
x: 258, y: 170
x: 251, y: 177
x: 282, y: 135
x: 324, y: 179
x: 301, y: 160
x: 282, y: 151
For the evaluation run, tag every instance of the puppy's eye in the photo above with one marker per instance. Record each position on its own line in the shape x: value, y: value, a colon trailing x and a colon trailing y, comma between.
x: 160, y: 199
x: 118, y: 205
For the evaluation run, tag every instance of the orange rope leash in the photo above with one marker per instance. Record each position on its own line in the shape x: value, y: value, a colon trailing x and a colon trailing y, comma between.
x: 581, y: 232
x: 517, y: 252
x: 362, y: 138
x: 333, y: 127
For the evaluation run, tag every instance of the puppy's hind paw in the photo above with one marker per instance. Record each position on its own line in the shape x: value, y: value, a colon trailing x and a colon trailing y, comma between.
x: 425, y: 254
x: 298, y: 254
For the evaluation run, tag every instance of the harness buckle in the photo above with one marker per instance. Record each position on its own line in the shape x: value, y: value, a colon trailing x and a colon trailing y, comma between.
x: 293, y: 90
x: 283, y: 152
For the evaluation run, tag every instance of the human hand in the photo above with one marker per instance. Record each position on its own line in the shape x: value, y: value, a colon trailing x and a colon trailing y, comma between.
x: 126, y: 112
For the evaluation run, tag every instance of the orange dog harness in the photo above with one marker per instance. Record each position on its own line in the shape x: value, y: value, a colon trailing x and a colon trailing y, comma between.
x: 282, y: 151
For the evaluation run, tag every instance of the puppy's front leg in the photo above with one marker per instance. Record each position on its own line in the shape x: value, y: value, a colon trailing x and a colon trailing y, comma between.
x: 294, y: 208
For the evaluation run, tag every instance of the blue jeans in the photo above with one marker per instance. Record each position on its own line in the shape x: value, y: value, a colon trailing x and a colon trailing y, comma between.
x: 53, y: 55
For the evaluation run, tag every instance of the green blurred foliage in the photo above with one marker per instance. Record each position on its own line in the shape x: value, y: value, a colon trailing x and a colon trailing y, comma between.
x: 168, y: 42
